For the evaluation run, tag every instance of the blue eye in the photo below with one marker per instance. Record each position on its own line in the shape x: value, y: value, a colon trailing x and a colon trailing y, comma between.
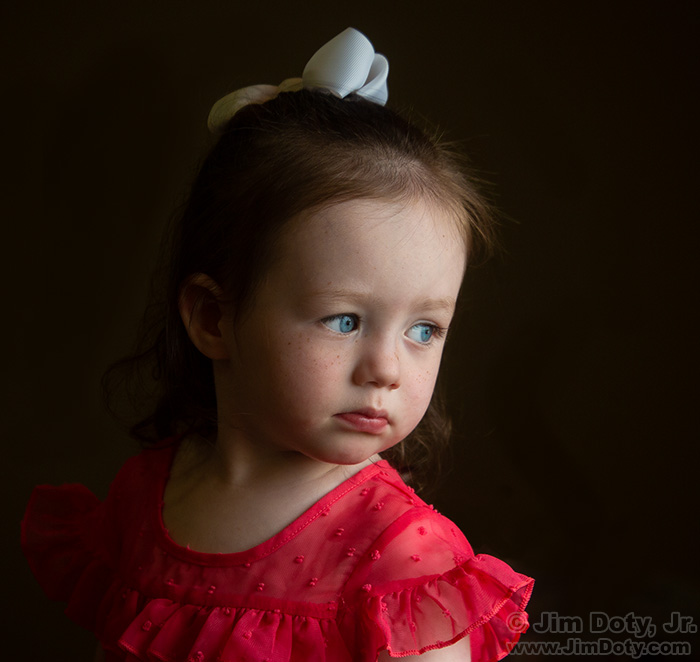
x: 342, y: 323
x: 423, y: 332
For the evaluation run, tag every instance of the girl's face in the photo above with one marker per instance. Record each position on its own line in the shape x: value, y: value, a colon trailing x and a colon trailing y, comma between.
x: 338, y: 356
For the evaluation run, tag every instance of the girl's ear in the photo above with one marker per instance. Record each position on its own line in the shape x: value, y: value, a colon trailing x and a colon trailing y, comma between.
x: 201, y: 309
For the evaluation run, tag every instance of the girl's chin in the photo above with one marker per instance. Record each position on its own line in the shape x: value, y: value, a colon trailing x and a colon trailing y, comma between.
x: 354, y: 456
x: 345, y: 460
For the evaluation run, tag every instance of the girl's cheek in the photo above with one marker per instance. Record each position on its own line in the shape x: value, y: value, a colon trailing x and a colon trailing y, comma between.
x: 298, y: 348
x: 424, y: 384
x: 306, y: 355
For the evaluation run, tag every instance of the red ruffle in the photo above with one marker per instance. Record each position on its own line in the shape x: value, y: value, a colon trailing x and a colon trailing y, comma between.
x: 483, y: 598
x: 165, y: 630
x: 60, y: 538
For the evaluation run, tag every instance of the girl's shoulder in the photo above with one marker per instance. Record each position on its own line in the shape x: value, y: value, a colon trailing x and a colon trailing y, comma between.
x: 384, y: 511
x: 417, y: 584
x: 67, y: 531
x: 407, y: 539
x: 145, y: 469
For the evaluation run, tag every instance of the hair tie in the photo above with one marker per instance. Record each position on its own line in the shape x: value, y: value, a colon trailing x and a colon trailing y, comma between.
x: 346, y: 64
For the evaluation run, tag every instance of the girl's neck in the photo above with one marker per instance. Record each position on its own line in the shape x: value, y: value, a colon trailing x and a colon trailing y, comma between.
x: 235, y: 462
x: 225, y: 497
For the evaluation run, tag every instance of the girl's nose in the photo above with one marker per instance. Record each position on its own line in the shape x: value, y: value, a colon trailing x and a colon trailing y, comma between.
x: 378, y: 364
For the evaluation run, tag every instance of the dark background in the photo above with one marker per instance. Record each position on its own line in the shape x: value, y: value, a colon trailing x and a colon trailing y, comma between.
x: 573, y: 369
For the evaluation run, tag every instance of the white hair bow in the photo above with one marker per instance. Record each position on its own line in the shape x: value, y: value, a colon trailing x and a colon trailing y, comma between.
x: 346, y: 64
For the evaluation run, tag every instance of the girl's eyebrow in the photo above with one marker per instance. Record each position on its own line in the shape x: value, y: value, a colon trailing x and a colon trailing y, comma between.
x: 446, y: 304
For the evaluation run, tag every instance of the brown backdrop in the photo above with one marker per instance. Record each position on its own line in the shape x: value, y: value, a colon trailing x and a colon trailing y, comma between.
x: 573, y: 368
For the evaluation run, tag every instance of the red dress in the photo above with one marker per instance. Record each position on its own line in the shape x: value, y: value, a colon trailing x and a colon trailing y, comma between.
x: 368, y: 567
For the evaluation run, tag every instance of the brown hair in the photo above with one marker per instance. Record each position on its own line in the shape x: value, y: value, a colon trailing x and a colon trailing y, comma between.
x: 296, y: 152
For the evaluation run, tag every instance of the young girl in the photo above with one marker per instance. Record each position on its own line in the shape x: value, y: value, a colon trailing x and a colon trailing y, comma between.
x: 314, y: 276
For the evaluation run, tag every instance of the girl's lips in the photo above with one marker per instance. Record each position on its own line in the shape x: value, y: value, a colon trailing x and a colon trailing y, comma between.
x: 365, y: 420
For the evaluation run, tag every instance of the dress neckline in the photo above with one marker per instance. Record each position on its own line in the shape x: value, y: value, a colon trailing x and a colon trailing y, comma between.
x: 289, y: 532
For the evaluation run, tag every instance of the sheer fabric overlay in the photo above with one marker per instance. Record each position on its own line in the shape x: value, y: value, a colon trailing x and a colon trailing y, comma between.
x: 369, y: 567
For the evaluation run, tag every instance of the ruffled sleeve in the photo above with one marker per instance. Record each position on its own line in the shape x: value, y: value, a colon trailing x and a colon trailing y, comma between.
x: 65, y: 543
x: 421, y: 587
